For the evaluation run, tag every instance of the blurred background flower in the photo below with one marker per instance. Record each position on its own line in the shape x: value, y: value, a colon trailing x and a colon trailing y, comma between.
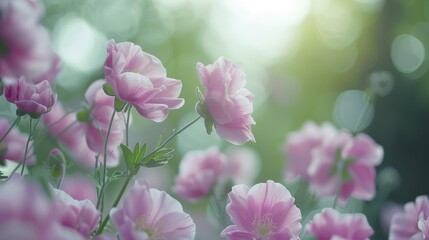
x: 360, y: 64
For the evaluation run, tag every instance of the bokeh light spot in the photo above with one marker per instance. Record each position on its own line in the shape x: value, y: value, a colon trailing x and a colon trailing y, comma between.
x: 353, y: 111
x: 408, y: 53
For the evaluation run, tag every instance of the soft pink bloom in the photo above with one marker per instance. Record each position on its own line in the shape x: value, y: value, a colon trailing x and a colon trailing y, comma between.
x: 64, y: 126
x: 413, y: 222
x: 15, y: 143
x: 101, y: 109
x: 27, y: 213
x: 198, y: 173
x: 25, y: 47
x: 139, y: 79
x: 229, y: 104
x: 265, y: 211
x: 31, y: 98
x: 358, y: 157
x: 330, y: 224
x: 79, y: 187
x: 300, y: 144
x: 81, y: 216
x: 242, y: 165
x: 147, y: 213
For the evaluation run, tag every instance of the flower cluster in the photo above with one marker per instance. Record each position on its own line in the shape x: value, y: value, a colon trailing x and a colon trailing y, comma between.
x: 334, y: 162
x: 67, y: 167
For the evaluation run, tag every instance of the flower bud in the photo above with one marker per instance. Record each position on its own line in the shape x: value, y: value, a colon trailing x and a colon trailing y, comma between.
x: 57, y: 164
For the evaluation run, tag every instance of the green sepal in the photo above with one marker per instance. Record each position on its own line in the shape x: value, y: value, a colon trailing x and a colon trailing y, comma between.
x: 199, y: 95
x: 119, y: 105
x: 83, y: 116
x: 20, y: 113
x: 34, y: 115
x: 108, y: 90
x: 202, y: 110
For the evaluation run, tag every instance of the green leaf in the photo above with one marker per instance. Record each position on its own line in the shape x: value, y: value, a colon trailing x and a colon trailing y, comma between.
x: 119, y: 105
x: 129, y: 158
x: 108, y: 89
x: 153, y: 163
x: 139, y: 156
x: 94, y: 181
x: 158, y: 158
x: 117, y: 175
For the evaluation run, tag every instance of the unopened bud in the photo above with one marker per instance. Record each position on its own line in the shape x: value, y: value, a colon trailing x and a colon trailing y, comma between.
x: 388, y: 179
x: 57, y: 164
x: 381, y: 83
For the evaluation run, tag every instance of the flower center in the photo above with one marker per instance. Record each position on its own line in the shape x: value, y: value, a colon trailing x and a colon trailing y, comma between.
x: 152, y: 231
x: 264, y: 226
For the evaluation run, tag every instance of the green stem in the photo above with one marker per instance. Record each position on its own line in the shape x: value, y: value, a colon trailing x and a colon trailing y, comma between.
x: 10, y: 128
x: 26, y: 146
x: 127, y: 124
x: 340, y: 180
x: 128, y: 179
x: 174, y: 135
x: 115, y: 204
x: 105, y: 160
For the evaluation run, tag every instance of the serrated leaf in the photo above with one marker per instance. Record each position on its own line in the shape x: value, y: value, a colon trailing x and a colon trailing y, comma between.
x: 119, y: 105
x: 108, y: 90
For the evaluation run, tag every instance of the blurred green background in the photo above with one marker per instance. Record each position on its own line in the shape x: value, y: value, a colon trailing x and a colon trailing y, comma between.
x: 304, y: 60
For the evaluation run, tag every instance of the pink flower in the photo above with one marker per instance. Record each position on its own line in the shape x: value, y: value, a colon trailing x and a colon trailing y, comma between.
x: 198, y: 173
x: 300, y: 144
x: 356, y: 157
x: 265, y: 211
x: 140, y: 79
x: 71, y: 133
x: 25, y: 47
x: 147, y: 213
x: 228, y: 103
x: 242, y: 165
x: 330, y: 224
x: 31, y: 98
x: 101, y: 109
x: 413, y: 222
x: 27, y: 213
x: 15, y: 143
x: 81, y: 216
